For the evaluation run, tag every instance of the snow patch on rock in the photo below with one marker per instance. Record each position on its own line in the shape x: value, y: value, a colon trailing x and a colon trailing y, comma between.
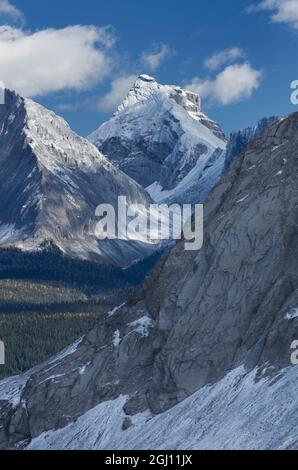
x: 142, y: 325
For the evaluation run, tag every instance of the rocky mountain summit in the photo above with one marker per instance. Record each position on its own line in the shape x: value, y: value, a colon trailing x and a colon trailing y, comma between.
x: 51, y: 182
x: 160, y: 137
x: 202, y: 349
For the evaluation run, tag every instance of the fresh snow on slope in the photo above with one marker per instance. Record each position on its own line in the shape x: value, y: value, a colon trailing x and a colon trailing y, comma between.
x: 55, y: 143
x: 8, y: 233
x: 66, y: 352
x: 11, y: 388
x: 293, y: 314
x: 142, y: 325
x: 195, y: 186
x: 237, y: 412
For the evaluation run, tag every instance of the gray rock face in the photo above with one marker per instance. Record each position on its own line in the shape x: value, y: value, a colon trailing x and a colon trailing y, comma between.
x: 160, y: 137
x: 51, y: 182
x: 199, y: 315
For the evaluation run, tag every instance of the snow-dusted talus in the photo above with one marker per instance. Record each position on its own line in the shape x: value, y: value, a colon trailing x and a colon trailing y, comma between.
x: 51, y: 182
x: 200, y: 355
x: 160, y: 138
x: 237, y: 412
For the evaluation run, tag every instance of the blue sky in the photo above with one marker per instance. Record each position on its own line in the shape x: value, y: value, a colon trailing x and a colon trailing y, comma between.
x: 83, y: 72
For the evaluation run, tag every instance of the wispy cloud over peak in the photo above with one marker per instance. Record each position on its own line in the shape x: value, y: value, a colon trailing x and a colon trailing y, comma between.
x: 120, y: 86
x: 153, y: 59
x: 220, y: 58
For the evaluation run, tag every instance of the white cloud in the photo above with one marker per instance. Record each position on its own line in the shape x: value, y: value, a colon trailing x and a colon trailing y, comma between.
x: 52, y: 60
x: 235, y: 83
x: 120, y: 86
x: 223, y: 57
x: 8, y: 10
x: 154, y: 59
x: 282, y: 11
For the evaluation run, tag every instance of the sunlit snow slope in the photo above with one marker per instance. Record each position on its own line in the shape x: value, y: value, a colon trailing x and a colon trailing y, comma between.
x: 238, y: 412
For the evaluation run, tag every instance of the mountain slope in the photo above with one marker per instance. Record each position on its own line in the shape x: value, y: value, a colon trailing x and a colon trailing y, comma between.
x: 160, y: 138
x: 213, y: 328
x: 51, y: 182
x: 240, y: 425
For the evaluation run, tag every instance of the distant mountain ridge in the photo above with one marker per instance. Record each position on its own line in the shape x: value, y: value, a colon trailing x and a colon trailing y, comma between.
x: 240, y: 139
x: 51, y: 182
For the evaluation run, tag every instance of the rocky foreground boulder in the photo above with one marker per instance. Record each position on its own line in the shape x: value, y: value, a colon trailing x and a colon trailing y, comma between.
x: 200, y: 355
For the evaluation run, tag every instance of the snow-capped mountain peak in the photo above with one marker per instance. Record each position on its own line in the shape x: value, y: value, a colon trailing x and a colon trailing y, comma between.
x: 141, y: 91
x: 146, y: 88
x: 161, y: 138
